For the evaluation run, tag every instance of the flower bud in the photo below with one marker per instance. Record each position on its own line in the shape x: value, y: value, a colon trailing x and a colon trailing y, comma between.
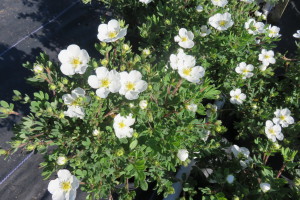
x: 146, y: 52
x: 131, y: 105
x: 52, y: 87
x: 16, y: 144
x: 135, y: 135
x: 230, y: 179
x: 103, y: 44
x: 168, y: 22
x: 61, y: 115
x: 123, y: 67
x: 143, y: 104
x: 30, y: 147
x: 199, y: 8
x: 126, y: 47
x: 49, y: 110
x: 218, y: 129
x: 65, y: 81
x: 104, y: 62
x: 235, y: 198
x: 120, y: 152
x: 38, y: 69
x: 61, y: 160
x: 265, y: 187
x: 3, y: 152
x: 96, y: 132
x: 182, y: 154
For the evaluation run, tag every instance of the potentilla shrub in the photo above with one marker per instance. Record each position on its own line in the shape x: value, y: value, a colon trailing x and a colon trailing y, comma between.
x: 236, y: 46
x: 126, y: 118
x: 139, y: 112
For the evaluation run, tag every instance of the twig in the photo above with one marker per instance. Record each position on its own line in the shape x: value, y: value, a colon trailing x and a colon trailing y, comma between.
x: 177, y: 86
x: 280, y: 171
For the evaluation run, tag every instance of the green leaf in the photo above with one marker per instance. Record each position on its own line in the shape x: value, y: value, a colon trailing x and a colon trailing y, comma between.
x: 144, y: 185
x: 133, y: 144
x: 4, y: 104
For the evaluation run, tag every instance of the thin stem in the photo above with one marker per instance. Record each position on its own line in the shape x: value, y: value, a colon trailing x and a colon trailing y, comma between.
x: 266, y: 159
x: 280, y: 171
x: 177, y: 86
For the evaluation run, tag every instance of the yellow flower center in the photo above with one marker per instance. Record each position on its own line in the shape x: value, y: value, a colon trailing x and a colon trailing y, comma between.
x: 105, y: 83
x: 222, y: 23
x: 282, y: 117
x: 75, y: 62
x: 245, y: 70
x: 121, y: 124
x: 184, y: 39
x: 267, y: 56
x: 187, y: 71
x: 130, y: 86
x: 65, y: 185
x: 77, y: 101
x: 272, y: 132
x: 237, y: 96
x: 112, y: 34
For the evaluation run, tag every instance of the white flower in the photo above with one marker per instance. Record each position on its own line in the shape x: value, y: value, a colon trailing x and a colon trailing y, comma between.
x: 143, y: 104
x: 267, y: 57
x: 273, y: 131
x: 220, y: 21
x: 181, y: 59
x: 248, y: 1
x: 297, y: 35
x: 76, y: 97
x: 61, y: 160
x: 245, y: 70
x: 204, y: 31
x: 185, y: 38
x: 262, y: 67
x: 190, y: 73
x: 64, y: 187
x: 75, y: 111
x: 220, y: 3
x: 111, y: 31
x: 265, y: 187
x: 131, y: 105
x: 199, y: 8
x: 230, y: 179
x: 73, y: 60
x: 74, y: 102
x: 211, y: 108
x: 132, y: 85
x: 273, y: 31
x: 283, y: 116
x: 122, y: 126
x: 254, y: 27
x: 192, y: 107
x: 146, y: 52
x: 105, y: 82
x: 182, y: 154
x: 145, y: 1
x: 38, y: 69
x: 241, y: 153
x: 237, y: 97
x: 96, y: 132
x: 257, y: 13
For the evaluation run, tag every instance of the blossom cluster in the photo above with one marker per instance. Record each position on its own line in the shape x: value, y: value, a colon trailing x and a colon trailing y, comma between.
x: 186, y: 66
x: 281, y: 120
x: 127, y: 84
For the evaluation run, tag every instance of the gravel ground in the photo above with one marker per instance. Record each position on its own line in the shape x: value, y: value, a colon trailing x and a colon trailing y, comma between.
x: 78, y: 25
